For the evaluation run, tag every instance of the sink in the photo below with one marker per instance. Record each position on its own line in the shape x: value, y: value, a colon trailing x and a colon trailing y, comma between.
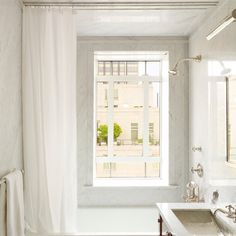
x: 199, y: 222
x: 196, y: 219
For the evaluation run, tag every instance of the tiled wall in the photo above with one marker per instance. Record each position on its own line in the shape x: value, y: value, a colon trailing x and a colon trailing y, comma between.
x: 204, y: 104
x: 178, y: 123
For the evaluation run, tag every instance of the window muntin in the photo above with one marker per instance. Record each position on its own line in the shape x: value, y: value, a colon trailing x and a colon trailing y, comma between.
x: 130, y: 147
x: 102, y: 118
x: 128, y: 68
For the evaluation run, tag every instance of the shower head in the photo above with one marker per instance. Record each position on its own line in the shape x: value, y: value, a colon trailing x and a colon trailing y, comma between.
x: 174, y: 71
x: 225, y: 71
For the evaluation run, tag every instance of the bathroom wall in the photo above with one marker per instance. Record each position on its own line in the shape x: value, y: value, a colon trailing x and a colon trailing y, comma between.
x: 89, y: 195
x: 207, y: 104
x: 10, y: 86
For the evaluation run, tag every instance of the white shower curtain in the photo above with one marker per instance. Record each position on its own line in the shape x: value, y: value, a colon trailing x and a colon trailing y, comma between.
x: 49, y: 119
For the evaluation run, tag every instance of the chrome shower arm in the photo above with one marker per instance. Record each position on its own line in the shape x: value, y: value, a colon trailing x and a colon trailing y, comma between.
x: 197, y: 59
x: 174, y: 70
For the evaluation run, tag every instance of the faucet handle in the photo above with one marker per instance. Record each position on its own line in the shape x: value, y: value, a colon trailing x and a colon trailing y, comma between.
x: 230, y: 208
x: 194, y: 149
x: 198, y: 170
x: 215, y: 196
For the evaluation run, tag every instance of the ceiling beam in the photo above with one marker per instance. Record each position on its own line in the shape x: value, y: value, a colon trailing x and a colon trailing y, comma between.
x: 125, y: 5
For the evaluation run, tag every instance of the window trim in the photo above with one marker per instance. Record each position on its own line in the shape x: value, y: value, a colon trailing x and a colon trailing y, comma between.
x: 162, y: 180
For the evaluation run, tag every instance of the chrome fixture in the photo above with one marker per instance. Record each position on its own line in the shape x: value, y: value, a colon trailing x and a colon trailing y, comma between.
x: 119, y: 5
x: 174, y: 71
x: 215, y: 196
x: 228, y: 20
x: 225, y: 71
x: 229, y: 212
x: 198, y: 170
x: 196, y: 149
x: 192, y: 192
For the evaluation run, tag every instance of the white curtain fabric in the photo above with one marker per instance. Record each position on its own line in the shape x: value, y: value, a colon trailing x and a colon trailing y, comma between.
x: 49, y: 119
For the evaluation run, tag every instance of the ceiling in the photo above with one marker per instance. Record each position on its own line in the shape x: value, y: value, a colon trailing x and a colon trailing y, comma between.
x: 136, y: 17
x: 138, y: 23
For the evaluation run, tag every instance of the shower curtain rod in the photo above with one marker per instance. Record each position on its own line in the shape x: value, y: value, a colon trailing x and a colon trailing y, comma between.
x: 151, y: 5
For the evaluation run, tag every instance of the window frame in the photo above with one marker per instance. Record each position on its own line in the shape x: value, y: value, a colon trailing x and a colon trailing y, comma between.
x: 144, y: 181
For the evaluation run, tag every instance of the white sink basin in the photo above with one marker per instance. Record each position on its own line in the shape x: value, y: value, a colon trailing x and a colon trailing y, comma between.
x: 196, y: 219
x: 199, y: 222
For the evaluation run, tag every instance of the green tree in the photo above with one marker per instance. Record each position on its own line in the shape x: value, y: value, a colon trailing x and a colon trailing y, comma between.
x: 103, y: 132
x: 117, y: 131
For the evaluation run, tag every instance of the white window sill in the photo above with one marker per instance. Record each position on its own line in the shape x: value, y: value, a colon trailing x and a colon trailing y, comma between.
x: 147, y: 182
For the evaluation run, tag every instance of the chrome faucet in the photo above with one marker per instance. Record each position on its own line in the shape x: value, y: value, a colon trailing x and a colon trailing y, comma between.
x: 230, y: 212
x: 192, y: 192
x: 198, y: 170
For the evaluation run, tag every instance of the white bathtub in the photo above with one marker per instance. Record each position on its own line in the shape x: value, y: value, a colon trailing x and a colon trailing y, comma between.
x: 118, y: 221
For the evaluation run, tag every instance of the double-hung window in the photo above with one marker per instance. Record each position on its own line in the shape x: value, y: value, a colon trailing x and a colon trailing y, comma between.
x: 127, y: 116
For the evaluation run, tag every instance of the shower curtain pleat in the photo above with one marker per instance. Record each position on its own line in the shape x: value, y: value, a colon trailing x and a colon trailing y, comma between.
x: 49, y: 119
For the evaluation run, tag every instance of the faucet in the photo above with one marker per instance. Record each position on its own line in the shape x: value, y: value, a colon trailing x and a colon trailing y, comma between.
x: 192, y: 192
x: 230, y: 212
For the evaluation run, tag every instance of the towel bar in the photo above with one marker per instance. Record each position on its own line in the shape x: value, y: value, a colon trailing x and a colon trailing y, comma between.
x: 3, y: 180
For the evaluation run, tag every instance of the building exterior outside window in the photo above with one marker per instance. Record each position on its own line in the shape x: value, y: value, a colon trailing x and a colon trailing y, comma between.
x: 128, y: 119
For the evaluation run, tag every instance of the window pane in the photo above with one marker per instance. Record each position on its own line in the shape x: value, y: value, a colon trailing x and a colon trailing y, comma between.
x: 153, y: 169
x: 100, y: 68
x: 122, y: 68
x: 154, y: 119
x: 142, y: 68
x: 132, y: 68
x: 125, y: 170
x: 152, y: 68
x: 128, y: 119
x: 103, y: 170
x: 102, y: 112
x: 108, y: 68
x: 115, y: 68
x: 127, y: 114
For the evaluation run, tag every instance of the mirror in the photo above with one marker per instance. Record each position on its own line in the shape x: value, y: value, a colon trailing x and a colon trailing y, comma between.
x: 231, y: 119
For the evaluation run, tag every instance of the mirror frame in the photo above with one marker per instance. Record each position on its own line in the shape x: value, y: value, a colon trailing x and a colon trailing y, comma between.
x: 230, y: 162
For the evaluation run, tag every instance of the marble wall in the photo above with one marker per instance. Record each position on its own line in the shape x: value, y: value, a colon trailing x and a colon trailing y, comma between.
x: 206, y: 112
x: 178, y: 123
x: 10, y: 85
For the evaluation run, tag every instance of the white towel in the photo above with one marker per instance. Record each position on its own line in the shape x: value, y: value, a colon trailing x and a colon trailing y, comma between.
x: 3, y: 204
x: 15, y: 204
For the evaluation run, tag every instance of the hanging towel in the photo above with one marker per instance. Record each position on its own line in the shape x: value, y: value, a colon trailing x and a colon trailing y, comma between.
x: 3, y: 204
x: 15, y: 204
